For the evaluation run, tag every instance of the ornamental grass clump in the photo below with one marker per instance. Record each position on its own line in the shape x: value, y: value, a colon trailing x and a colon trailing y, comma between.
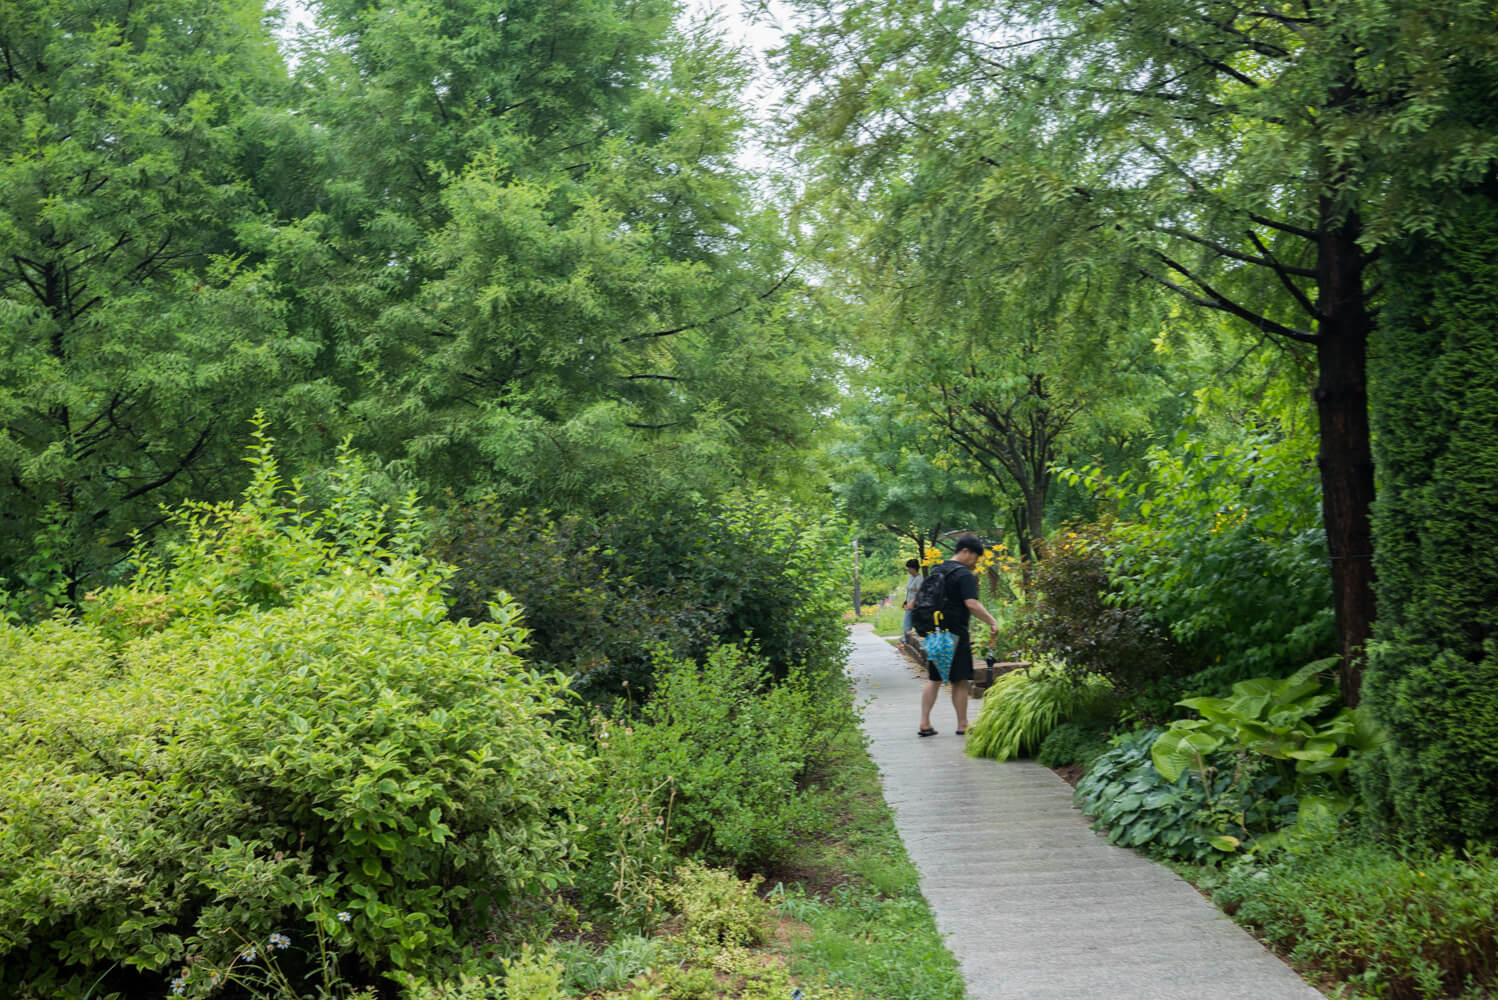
x: 1022, y: 707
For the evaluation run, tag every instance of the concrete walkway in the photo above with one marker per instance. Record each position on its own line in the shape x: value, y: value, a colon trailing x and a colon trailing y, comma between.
x: 1034, y: 904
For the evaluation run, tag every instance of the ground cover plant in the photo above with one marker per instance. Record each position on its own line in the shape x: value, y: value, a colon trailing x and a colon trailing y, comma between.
x: 1199, y: 816
x: 854, y: 891
x: 1380, y: 922
x: 1072, y: 744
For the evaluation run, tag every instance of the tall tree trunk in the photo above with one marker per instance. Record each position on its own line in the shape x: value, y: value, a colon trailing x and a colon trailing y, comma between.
x: 1345, y: 458
x: 1018, y: 515
x: 1035, y: 515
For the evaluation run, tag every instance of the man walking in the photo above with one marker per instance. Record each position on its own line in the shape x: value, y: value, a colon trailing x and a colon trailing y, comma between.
x: 912, y: 587
x: 960, y: 603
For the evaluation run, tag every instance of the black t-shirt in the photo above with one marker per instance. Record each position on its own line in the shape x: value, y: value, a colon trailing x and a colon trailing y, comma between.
x: 961, y: 585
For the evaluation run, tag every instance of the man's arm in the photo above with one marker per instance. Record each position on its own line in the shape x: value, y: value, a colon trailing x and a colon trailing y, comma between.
x: 976, y: 607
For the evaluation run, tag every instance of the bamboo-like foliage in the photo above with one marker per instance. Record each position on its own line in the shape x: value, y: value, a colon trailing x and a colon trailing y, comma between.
x: 1021, y: 708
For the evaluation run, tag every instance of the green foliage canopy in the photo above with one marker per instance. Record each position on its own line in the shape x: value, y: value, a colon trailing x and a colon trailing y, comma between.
x: 137, y: 335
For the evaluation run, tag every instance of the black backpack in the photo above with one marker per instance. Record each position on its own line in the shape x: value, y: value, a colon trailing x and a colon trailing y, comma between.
x: 931, y: 598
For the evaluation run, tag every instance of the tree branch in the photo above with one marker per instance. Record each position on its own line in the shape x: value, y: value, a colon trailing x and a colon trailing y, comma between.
x: 1284, y: 227
x: 712, y: 319
x: 182, y: 464
x: 1267, y: 260
x: 1216, y: 300
x: 1284, y: 275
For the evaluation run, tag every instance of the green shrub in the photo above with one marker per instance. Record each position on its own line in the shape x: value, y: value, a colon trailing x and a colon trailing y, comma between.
x: 1078, y: 619
x: 277, y: 731
x: 708, y: 769
x: 1071, y: 743
x: 1022, y: 707
x: 1199, y: 817
x: 588, y: 613
x: 1226, y: 551
x: 1401, y: 927
x: 599, y: 593
x: 718, y: 910
x: 1295, y: 727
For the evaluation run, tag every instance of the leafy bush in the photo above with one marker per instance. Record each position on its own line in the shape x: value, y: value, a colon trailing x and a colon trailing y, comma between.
x: 1021, y: 707
x: 776, y: 570
x: 275, y: 732
x: 708, y: 769
x: 717, y: 910
x: 586, y: 612
x: 1401, y: 927
x: 1078, y: 619
x: 1071, y: 743
x: 599, y: 593
x: 1295, y: 725
x: 1198, y: 817
x: 1227, y: 552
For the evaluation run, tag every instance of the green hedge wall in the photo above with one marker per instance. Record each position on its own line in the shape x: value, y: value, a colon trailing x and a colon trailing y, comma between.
x: 1432, y: 675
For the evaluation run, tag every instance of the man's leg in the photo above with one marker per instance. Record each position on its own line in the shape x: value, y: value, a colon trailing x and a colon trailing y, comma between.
x: 959, y: 702
x: 928, y: 698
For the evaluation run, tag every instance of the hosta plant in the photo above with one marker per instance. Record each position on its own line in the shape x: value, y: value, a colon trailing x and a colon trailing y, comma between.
x: 1292, y: 727
x: 1198, y: 816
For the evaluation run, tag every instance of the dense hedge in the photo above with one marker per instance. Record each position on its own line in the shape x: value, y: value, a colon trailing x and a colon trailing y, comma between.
x: 600, y: 593
x: 278, y: 737
x: 1432, y: 675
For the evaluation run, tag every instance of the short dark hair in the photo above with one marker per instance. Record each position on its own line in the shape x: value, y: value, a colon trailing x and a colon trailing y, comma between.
x: 969, y: 542
x: 912, y: 564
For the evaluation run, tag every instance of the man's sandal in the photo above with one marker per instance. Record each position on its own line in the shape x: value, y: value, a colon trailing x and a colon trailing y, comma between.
x: 925, y: 732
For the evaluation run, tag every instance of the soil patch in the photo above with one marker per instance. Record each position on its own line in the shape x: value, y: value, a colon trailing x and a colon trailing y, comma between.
x: 1071, y: 773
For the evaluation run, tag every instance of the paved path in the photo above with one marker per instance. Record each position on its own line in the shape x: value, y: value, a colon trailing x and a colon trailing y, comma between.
x: 1034, y: 904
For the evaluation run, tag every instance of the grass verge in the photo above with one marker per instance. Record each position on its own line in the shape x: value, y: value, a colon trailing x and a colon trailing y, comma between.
x: 868, y: 929
x: 845, y: 915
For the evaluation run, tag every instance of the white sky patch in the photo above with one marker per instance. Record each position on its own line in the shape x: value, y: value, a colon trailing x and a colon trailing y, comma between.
x: 757, y: 36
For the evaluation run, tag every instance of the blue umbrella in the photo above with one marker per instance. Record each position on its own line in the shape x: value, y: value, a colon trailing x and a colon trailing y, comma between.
x: 940, y: 647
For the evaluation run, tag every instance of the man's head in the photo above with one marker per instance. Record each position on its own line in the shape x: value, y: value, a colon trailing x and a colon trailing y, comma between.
x: 912, y: 566
x: 969, y: 550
